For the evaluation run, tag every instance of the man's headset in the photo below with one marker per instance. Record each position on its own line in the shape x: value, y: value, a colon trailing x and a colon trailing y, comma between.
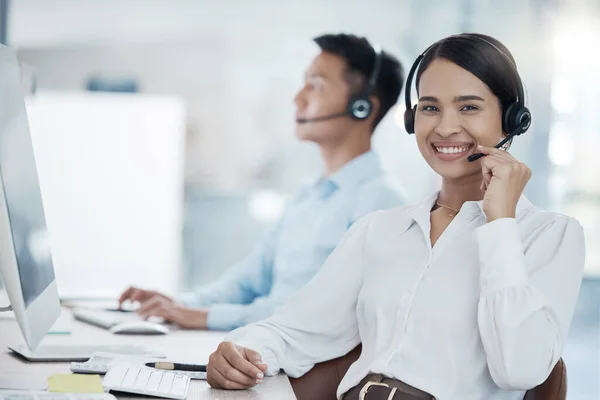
x: 516, y: 118
x: 359, y: 105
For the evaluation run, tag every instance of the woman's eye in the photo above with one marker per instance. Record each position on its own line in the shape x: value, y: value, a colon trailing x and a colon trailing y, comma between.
x: 429, y: 108
x: 469, y: 108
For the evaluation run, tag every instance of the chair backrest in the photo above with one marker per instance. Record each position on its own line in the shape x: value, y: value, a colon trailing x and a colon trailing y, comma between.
x: 321, y: 382
x: 553, y: 388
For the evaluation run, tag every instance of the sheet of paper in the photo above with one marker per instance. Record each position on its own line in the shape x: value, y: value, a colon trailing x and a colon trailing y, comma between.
x: 75, y: 383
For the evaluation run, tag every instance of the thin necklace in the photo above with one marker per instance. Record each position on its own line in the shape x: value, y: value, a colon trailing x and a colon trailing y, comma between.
x: 449, y: 208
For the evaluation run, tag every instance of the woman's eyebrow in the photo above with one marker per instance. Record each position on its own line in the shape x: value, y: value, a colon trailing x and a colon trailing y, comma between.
x: 457, y: 99
x: 469, y: 97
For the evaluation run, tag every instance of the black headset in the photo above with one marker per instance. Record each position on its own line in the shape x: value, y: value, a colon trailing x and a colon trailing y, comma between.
x: 360, y: 105
x: 516, y: 118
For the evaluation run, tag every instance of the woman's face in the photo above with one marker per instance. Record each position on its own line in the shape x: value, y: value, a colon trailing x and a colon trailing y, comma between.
x: 455, y: 113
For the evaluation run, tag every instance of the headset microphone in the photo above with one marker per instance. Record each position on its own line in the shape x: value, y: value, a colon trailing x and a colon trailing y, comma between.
x: 322, y: 118
x: 519, y: 129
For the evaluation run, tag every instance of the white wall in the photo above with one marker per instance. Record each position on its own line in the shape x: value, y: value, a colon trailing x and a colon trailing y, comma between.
x: 111, y: 173
x: 238, y: 65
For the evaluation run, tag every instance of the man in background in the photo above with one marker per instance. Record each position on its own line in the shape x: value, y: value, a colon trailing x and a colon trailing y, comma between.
x: 349, y: 87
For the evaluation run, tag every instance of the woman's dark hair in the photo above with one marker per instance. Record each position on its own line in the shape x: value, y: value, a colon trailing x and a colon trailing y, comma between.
x: 483, y: 56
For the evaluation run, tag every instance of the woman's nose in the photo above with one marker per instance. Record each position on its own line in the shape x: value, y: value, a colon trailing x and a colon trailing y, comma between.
x: 449, y: 124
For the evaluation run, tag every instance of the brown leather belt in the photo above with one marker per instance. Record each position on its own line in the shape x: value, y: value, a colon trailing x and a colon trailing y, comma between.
x: 378, y: 387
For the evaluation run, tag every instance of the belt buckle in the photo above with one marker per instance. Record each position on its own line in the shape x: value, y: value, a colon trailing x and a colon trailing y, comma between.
x: 365, y: 389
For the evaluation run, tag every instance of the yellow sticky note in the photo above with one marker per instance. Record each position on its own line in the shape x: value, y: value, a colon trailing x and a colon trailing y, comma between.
x: 75, y: 383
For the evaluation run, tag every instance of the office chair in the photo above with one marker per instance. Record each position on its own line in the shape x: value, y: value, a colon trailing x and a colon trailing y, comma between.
x: 321, y: 382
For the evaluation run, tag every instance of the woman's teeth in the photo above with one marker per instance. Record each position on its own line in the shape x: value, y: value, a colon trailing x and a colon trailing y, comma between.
x: 452, y: 150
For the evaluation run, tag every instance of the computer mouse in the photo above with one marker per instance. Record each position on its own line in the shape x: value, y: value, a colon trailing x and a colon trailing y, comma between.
x: 140, y: 328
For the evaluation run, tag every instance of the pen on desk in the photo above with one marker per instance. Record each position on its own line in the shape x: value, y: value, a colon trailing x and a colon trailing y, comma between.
x: 176, y: 366
x: 123, y: 310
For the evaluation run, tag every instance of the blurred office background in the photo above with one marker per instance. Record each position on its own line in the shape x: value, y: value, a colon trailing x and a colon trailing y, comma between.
x: 164, y: 129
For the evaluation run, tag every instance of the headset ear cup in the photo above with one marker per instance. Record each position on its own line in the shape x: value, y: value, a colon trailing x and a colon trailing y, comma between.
x: 521, y: 116
x: 514, y: 116
x: 508, y: 122
x: 359, y: 107
x: 409, y: 119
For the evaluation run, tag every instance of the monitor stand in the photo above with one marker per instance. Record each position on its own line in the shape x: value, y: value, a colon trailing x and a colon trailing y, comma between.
x: 21, y: 381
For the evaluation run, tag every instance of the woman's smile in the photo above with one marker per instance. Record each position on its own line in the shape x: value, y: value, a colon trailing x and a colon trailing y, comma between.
x: 451, y: 150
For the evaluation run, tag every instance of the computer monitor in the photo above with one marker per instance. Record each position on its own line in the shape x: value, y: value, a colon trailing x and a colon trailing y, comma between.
x: 25, y: 259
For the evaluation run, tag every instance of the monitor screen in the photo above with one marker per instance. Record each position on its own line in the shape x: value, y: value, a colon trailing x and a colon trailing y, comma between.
x: 23, y: 200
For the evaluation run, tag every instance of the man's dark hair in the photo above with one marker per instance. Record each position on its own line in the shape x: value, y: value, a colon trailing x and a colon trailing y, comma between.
x: 360, y: 61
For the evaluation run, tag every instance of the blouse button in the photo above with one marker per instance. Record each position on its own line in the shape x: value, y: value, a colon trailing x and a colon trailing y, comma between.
x: 406, y: 300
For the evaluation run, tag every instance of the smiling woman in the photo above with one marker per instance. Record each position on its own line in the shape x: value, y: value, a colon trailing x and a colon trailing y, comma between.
x: 483, y: 100
x: 468, y: 295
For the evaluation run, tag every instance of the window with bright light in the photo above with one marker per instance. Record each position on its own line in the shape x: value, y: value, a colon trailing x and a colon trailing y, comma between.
x: 575, y: 133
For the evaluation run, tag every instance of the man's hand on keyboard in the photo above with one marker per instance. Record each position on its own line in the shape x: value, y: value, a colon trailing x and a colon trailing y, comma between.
x: 141, y: 296
x: 187, y: 318
x: 235, y: 367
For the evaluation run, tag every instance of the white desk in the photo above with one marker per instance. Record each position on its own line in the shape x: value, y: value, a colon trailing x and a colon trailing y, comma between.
x: 180, y: 345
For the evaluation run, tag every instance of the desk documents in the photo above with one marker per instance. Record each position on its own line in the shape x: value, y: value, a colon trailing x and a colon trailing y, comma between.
x: 182, y: 346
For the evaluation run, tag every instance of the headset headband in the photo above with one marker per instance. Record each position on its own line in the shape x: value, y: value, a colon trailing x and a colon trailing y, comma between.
x: 407, y: 93
x: 372, y: 83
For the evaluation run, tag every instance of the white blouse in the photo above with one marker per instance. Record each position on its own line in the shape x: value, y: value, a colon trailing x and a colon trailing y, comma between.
x: 484, y: 314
